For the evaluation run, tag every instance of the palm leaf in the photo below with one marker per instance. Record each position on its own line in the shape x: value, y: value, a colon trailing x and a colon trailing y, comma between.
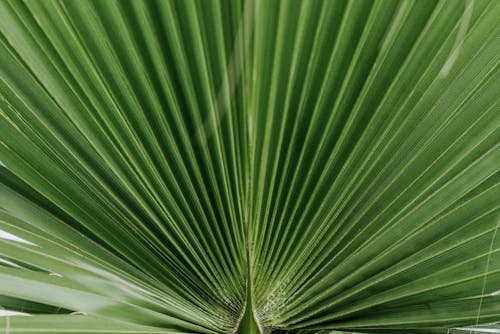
x: 248, y: 166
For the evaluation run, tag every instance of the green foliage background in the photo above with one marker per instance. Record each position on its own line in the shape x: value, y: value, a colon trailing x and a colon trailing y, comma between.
x: 169, y: 165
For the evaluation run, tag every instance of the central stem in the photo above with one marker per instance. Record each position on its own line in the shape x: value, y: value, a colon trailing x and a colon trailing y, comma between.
x: 248, y: 323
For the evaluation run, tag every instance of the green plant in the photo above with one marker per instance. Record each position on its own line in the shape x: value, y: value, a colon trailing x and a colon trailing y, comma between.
x: 221, y: 166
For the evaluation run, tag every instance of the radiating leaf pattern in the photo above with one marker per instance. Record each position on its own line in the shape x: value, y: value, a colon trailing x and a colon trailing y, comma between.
x: 167, y: 163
